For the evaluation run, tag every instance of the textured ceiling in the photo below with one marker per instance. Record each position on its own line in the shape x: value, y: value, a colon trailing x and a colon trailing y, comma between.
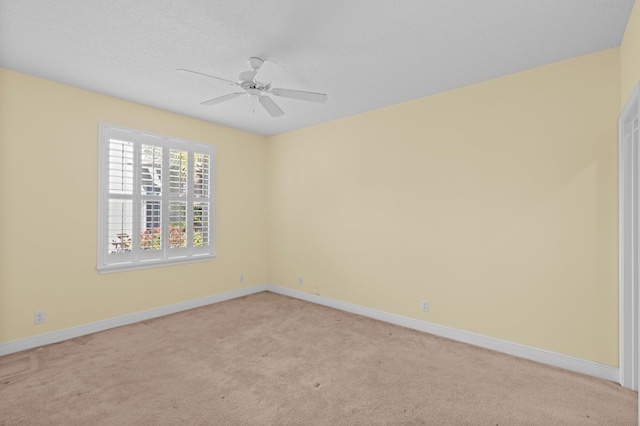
x: 365, y: 54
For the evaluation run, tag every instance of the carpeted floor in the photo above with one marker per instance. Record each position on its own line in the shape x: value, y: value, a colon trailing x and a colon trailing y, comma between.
x: 267, y: 359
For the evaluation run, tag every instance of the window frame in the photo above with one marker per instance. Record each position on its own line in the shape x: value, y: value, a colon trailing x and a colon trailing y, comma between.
x: 139, y: 258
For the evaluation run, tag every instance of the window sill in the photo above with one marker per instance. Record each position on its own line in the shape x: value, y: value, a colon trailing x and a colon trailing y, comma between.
x: 131, y: 266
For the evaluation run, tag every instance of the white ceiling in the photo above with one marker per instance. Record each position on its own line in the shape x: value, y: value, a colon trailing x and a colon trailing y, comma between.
x: 365, y: 54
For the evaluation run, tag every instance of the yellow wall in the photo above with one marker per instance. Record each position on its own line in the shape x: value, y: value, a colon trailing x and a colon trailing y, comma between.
x: 48, y: 210
x: 630, y: 55
x: 497, y: 202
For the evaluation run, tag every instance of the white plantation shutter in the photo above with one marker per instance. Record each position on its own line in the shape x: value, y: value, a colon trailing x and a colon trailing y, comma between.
x: 202, y: 201
x: 151, y: 235
x: 178, y: 189
x: 120, y: 194
x: 155, y: 200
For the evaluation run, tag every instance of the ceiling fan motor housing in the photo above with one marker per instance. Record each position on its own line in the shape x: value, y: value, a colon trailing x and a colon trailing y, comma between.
x: 255, y: 63
x: 247, y: 81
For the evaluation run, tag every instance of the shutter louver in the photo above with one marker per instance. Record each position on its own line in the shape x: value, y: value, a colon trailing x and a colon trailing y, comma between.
x: 201, y: 174
x: 120, y: 167
x: 178, y: 172
x: 177, y: 224
x: 151, y: 229
x: 120, y: 223
x: 201, y: 224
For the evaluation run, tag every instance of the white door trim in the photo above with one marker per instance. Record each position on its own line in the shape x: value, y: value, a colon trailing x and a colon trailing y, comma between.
x: 628, y: 238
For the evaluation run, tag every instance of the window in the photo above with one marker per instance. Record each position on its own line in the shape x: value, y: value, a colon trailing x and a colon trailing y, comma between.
x: 156, y: 204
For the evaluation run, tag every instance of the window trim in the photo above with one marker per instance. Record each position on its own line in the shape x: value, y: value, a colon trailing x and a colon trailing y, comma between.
x: 133, y: 262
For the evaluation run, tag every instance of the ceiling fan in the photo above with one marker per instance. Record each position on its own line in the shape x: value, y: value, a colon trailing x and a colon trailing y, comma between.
x: 257, y: 83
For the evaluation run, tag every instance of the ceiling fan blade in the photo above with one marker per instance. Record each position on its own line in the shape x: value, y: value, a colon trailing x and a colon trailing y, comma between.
x: 267, y: 71
x: 299, y: 94
x: 270, y: 106
x: 220, y: 99
x: 234, y: 83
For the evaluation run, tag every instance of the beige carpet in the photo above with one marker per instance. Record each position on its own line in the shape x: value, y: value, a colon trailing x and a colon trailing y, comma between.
x: 267, y: 359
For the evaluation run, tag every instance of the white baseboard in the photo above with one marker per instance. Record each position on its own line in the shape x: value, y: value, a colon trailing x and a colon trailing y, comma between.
x: 591, y: 368
x: 70, y: 333
x: 539, y: 355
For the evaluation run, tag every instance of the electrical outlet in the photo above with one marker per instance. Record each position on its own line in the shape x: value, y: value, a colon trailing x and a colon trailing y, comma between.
x: 38, y: 317
x: 241, y: 278
x: 300, y: 281
x: 425, y: 306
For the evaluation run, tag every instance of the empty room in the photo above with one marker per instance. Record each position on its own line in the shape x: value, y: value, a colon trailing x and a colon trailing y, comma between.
x: 319, y: 212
